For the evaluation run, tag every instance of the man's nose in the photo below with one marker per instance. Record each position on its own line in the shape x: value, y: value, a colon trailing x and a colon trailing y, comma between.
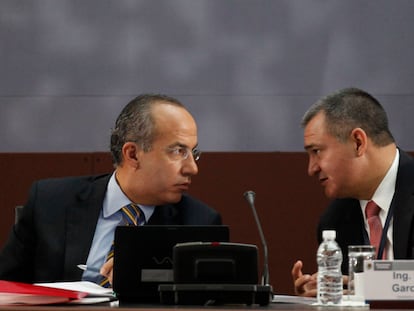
x: 190, y: 166
x: 313, y: 167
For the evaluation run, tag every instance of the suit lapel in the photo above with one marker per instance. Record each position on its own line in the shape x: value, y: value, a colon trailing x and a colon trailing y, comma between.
x: 81, y: 223
x: 403, y: 205
x: 353, y: 219
x: 165, y: 215
x: 402, y: 222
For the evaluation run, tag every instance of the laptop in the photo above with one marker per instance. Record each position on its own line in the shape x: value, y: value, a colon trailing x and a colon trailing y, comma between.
x: 143, y: 257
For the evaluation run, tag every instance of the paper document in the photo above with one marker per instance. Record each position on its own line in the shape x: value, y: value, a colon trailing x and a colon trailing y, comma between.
x: 13, y: 299
x: 293, y: 299
x: 17, y: 293
x: 93, y: 289
x: 32, y: 289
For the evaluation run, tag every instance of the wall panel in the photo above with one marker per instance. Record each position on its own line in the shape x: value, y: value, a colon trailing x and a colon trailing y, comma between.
x: 21, y: 169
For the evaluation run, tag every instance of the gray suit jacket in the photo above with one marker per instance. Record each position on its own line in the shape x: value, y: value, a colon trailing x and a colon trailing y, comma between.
x: 56, y: 228
x: 345, y: 216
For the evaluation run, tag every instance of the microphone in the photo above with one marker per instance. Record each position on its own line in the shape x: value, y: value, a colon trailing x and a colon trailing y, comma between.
x: 250, y: 196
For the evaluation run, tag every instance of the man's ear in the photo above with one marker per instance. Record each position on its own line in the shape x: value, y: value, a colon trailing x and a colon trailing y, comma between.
x: 130, y: 153
x: 360, y: 140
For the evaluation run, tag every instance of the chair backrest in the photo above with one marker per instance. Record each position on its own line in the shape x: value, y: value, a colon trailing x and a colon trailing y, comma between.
x: 17, y: 212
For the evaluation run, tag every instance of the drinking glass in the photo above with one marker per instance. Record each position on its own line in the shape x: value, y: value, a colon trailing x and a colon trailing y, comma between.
x: 357, y: 254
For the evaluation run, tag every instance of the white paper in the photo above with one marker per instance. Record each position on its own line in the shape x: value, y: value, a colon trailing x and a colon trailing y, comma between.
x: 293, y: 299
x: 93, y: 289
x: 89, y: 300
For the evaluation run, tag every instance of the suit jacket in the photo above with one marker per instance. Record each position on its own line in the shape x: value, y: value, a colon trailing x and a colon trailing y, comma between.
x: 345, y: 216
x: 56, y: 228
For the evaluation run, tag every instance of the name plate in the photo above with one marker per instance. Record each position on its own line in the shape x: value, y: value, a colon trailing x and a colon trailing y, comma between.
x: 388, y: 279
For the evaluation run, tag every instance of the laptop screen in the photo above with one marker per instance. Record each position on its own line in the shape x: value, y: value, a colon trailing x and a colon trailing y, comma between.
x: 143, y: 257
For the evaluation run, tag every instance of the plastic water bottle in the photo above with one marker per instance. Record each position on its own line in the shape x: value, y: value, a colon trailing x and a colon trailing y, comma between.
x: 329, y: 259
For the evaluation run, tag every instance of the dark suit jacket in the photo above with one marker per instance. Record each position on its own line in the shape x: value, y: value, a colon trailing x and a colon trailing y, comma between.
x: 345, y: 216
x: 57, y: 225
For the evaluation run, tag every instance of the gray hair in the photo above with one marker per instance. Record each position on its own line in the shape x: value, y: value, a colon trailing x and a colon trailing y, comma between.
x: 136, y: 124
x: 348, y: 109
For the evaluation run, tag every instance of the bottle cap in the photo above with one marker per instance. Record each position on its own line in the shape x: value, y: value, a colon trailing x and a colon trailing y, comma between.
x: 329, y: 234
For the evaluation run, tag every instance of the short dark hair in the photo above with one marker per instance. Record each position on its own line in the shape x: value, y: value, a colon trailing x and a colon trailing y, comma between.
x: 136, y: 124
x: 348, y: 109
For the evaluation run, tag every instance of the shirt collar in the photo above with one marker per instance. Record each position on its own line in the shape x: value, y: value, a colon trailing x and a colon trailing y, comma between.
x: 115, y: 199
x: 385, y: 191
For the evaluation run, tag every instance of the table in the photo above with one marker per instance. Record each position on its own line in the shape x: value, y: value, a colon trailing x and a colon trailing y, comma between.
x: 273, y: 306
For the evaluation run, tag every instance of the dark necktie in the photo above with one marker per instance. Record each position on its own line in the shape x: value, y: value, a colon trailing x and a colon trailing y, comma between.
x: 131, y: 216
x: 374, y: 222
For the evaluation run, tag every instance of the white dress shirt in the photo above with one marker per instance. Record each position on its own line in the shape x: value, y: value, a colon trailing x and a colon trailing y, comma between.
x: 383, y: 197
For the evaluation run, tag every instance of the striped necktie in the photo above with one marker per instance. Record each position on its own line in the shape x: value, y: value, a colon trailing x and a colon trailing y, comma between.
x: 132, y: 215
x: 375, y: 227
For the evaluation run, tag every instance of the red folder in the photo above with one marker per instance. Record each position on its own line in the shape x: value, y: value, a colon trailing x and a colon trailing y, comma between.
x: 24, y: 288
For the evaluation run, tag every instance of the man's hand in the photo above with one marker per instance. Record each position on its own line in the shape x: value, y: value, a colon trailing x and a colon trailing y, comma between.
x: 107, y: 269
x: 305, y: 284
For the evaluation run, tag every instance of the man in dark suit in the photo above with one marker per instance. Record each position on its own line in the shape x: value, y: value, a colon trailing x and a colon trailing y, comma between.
x: 354, y: 156
x: 71, y: 221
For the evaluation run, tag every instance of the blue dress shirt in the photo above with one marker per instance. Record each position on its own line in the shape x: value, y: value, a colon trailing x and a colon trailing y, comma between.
x: 109, y: 218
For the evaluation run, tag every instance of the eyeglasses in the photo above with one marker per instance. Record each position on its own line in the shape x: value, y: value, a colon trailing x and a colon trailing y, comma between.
x: 182, y: 153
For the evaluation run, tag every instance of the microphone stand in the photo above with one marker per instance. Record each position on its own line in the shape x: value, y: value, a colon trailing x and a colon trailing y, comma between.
x: 250, y: 196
